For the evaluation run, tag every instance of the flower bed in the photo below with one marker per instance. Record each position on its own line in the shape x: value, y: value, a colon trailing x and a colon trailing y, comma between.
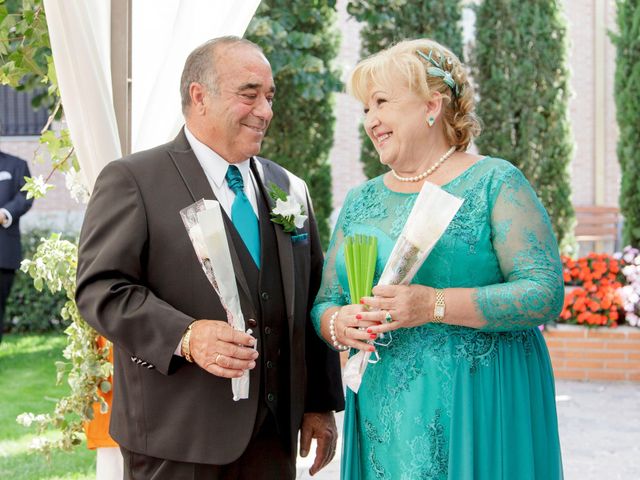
x: 602, y: 292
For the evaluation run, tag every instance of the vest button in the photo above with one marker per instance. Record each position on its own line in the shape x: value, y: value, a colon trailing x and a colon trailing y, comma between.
x: 267, y: 330
x: 265, y: 296
x: 271, y: 397
x: 251, y: 323
x: 269, y: 364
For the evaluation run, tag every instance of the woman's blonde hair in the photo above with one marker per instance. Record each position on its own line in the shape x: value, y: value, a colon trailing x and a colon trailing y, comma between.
x: 402, y: 60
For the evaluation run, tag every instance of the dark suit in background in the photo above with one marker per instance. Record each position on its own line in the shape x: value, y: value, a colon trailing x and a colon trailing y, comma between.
x: 13, y: 204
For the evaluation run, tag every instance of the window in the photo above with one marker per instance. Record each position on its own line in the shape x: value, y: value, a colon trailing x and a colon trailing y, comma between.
x: 17, y: 116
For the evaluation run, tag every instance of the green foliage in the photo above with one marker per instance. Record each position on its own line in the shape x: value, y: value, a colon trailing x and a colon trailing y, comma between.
x: 627, y: 94
x: 54, y: 266
x: 388, y: 22
x: 26, y: 369
x: 520, y: 66
x: 25, y: 51
x: 300, y: 40
x: 29, y: 310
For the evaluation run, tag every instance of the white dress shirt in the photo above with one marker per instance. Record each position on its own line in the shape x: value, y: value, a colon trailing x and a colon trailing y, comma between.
x: 215, y: 167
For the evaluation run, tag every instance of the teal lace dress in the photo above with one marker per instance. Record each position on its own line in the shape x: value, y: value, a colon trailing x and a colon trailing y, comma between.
x: 450, y: 402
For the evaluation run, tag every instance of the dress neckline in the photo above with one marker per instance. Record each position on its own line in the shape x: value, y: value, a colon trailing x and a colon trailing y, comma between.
x: 454, y: 179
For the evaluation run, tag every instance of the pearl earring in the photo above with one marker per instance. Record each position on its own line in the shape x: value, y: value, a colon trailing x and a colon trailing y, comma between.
x: 431, y: 120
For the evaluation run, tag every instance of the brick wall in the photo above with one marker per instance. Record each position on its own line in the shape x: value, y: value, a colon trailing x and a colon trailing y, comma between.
x: 578, y: 353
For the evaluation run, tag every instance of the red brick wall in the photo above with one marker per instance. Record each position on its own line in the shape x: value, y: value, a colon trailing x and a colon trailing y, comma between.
x: 578, y: 353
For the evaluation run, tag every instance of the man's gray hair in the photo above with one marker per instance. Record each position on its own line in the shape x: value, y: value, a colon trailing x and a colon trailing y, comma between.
x: 200, y: 66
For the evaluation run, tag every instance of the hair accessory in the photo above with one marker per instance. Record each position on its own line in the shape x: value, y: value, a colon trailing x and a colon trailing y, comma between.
x: 438, y: 71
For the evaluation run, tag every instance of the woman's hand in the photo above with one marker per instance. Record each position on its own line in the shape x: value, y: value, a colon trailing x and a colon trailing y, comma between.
x: 350, y: 327
x: 407, y: 305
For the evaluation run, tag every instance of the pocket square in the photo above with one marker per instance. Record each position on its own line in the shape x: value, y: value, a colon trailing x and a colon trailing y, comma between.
x: 4, y: 175
x: 302, y: 238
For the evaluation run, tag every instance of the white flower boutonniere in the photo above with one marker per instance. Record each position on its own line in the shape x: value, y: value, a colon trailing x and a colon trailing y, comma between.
x: 287, y: 211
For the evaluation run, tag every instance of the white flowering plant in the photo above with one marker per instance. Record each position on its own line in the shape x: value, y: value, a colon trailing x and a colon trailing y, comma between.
x: 287, y: 212
x: 630, y: 293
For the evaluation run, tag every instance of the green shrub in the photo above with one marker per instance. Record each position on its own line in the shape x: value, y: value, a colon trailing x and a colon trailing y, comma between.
x: 520, y: 65
x: 300, y: 40
x: 627, y: 93
x: 27, y: 309
x: 388, y: 22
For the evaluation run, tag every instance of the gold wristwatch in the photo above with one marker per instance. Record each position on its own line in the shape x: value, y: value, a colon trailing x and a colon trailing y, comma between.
x: 185, y: 347
x: 439, y: 307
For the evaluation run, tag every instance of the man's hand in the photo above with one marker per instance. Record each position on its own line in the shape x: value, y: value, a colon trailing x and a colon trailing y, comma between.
x: 322, y: 427
x: 3, y: 218
x: 219, y: 349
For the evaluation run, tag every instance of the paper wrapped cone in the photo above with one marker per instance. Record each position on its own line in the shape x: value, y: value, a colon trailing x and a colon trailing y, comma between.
x: 205, y: 226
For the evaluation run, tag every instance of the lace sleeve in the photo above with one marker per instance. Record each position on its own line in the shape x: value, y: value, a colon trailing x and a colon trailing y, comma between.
x: 331, y: 293
x: 533, y: 291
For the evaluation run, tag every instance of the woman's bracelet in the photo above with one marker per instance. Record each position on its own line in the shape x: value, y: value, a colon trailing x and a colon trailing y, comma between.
x: 332, y: 332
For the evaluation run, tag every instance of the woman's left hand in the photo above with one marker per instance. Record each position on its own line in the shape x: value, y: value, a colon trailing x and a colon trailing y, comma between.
x: 398, y: 306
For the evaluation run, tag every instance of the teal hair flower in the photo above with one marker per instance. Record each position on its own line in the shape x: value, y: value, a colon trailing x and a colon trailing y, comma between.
x: 438, y: 71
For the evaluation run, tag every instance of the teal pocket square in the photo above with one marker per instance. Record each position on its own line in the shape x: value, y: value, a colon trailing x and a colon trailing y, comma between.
x: 302, y: 238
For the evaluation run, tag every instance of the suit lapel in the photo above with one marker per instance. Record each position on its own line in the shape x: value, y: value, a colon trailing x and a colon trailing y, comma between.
x: 193, y: 176
x: 266, y: 175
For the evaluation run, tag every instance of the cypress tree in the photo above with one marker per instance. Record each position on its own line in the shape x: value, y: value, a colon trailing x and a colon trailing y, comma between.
x: 520, y: 66
x: 301, y: 41
x: 627, y: 94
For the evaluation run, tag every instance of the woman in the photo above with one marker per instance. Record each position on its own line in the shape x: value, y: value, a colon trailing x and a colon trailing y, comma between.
x: 465, y: 389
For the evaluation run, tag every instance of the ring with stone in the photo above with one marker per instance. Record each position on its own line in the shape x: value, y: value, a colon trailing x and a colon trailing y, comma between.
x: 387, y: 317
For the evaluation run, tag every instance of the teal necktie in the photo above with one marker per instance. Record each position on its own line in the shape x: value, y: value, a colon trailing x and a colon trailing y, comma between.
x: 242, y: 214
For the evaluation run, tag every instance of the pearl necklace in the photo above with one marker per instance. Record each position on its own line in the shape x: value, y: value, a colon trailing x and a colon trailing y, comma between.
x: 427, y: 172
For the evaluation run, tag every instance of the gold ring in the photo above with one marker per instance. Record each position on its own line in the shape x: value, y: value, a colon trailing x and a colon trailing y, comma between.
x: 344, y: 332
x: 217, y: 357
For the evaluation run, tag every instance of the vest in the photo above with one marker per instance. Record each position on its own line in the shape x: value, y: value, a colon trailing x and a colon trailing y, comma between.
x: 272, y: 332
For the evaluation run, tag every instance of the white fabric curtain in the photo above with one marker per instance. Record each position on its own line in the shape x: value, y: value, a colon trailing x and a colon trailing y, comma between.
x: 164, y: 33
x: 80, y: 34
x: 80, y: 41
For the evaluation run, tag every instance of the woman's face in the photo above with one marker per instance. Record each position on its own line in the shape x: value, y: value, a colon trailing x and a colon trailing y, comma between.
x: 396, y: 123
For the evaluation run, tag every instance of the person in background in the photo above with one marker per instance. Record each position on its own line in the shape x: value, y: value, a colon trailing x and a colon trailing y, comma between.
x: 13, y: 204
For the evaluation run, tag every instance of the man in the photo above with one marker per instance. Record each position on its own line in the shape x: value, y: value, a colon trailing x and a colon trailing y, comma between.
x: 141, y: 286
x: 13, y: 204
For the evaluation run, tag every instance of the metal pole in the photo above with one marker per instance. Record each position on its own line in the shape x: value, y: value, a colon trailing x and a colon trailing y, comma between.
x: 121, y: 69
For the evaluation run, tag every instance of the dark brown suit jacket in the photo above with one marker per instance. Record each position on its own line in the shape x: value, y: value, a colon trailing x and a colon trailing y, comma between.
x: 140, y: 285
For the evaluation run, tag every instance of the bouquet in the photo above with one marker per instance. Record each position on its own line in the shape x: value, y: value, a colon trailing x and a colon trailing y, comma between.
x: 204, y: 223
x: 429, y: 218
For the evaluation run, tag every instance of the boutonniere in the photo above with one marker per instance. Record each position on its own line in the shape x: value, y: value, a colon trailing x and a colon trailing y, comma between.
x: 287, y: 211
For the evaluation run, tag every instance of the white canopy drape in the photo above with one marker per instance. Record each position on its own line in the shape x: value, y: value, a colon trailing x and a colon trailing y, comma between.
x: 80, y: 41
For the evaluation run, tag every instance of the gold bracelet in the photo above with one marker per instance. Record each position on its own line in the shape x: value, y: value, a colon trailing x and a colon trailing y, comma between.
x: 185, y: 347
x: 439, y: 307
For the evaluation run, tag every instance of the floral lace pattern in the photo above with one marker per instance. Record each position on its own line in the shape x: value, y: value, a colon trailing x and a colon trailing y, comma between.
x: 499, y: 243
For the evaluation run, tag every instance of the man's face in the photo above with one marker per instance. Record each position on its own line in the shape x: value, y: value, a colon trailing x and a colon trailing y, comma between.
x: 235, y: 119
